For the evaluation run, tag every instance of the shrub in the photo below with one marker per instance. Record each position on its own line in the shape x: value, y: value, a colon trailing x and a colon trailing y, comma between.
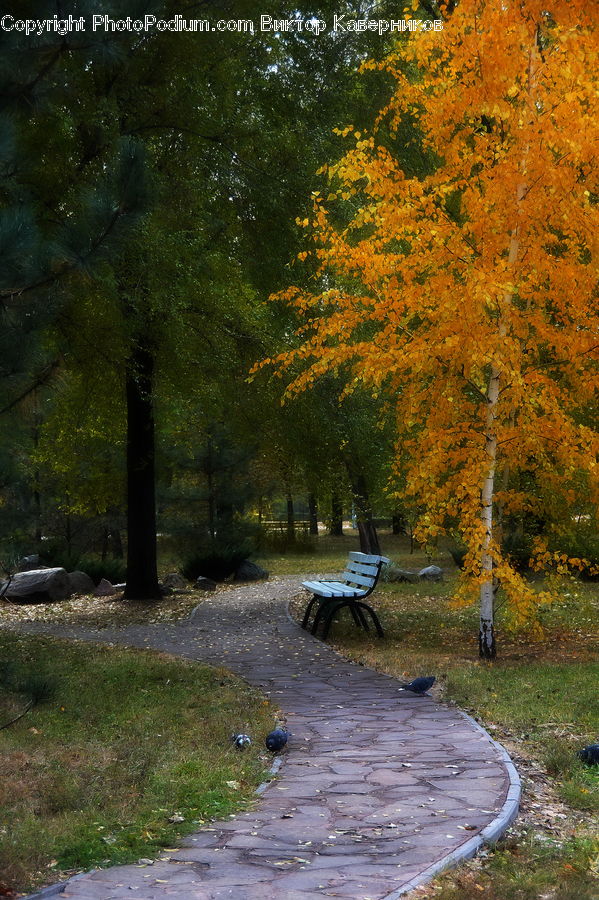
x: 279, y: 542
x: 518, y: 547
x: 113, y: 570
x: 458, y: 554
x: 218, y: 560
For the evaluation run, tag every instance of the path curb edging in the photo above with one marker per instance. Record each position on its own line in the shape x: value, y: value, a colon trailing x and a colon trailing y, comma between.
x: 53, y: 889
x: 490, y: 834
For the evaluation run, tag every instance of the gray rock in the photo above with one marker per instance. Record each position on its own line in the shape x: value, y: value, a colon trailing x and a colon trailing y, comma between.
x: 394, y: 575
x: 174, y: 580
x: 205, y: 584
x: 39, y: 586
x: 30, y: 562
x: 431, y: 573
x: 105, y: 589
x: 249, y: 571
x: 81, y: 583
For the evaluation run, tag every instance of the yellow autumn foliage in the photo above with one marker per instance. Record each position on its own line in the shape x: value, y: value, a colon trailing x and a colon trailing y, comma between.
x: 485, y: 313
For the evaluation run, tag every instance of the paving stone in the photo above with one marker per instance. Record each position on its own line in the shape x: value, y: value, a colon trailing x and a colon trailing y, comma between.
x: 345, y: 817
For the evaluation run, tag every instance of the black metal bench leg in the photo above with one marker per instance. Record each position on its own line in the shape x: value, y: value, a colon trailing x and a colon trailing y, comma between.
x: 328, y: 612
x: 359, y: 620
x: 322, y: 611
x: 308, y: 611
x: 374, y: 617
x: 361, y: 617
x: 329, y: 618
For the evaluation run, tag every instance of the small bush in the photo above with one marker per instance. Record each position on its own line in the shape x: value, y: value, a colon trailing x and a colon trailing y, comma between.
x: 217, y: 561
x: 518, y: 547
x: 113, y: 570
x: 279, y: 542
x: 458, y: 554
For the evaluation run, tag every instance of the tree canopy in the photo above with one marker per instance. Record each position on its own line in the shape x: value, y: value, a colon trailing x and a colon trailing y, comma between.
x: 466, y: 288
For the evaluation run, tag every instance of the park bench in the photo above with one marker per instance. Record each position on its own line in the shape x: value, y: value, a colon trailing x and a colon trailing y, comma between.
x: 361, y: 575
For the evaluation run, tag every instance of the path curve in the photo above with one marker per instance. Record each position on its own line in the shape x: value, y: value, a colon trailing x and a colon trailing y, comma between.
x: 379, y: 788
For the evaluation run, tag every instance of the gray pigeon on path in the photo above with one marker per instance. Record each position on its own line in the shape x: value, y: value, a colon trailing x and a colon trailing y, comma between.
x: 276, y: 740
x: 419, y: 685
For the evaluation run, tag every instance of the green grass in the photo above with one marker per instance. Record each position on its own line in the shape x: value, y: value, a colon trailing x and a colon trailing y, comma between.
x: 92, y: 776
x: 525, y: 868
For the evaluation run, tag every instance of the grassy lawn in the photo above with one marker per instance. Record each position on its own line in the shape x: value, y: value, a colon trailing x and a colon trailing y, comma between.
x: 127, y: 740
x: 540, y: 699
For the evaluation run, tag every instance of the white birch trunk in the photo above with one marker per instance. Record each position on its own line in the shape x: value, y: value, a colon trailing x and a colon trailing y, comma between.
x: 486, y: 635
x: 487, y: 647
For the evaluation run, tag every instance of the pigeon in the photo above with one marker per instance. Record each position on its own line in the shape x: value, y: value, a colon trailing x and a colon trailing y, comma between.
x: 589, y: 755
x: 276, y: 740
x: 419, y: 685
x: 241, y: 741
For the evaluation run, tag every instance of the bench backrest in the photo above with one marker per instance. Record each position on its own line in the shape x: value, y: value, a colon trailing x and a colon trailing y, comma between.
x: 363, y: 570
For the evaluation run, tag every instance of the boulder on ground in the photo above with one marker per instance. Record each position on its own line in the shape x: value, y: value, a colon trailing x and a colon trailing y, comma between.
x: 105, y: 589
x: 394, y: 574
x: 174, y: 580
x: 28, y: 563
x: 38, y: 586
x: 249, y: 571
x: 81, y: 583
x: 431, y: 573
x: 205, y: 584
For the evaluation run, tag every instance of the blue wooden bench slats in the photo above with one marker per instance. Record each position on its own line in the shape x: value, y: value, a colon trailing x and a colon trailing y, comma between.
x: 352, y: 578
x: 360, y: 557
x: 359, y: 580
x: 362, y: 569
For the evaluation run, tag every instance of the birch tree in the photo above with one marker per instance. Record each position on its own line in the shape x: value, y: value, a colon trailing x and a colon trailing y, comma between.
x: 470, y: 293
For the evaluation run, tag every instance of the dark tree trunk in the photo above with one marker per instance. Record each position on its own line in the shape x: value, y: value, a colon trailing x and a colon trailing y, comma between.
x: 290, y: 519
x: 313, y: 507
x: 142, y: 576
x: 398, y: 524
x: 336, y: 529
x: 37, y: 500
x: 369, y: 541
x: 211, y: 497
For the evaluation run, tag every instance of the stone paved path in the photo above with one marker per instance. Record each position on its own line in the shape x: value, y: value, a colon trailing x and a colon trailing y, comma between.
x: 377, y: 788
